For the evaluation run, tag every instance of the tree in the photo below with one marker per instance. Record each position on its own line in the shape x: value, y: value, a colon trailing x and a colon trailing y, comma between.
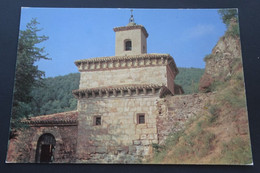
x: 227, y: 15
x: 27, y: 73
x: 230, y: 18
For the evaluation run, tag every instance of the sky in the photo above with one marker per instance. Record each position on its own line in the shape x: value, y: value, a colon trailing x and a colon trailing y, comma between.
x: 188, y: 35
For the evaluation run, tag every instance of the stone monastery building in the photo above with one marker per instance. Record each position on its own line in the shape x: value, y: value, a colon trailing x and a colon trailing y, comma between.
x: 119, y: 114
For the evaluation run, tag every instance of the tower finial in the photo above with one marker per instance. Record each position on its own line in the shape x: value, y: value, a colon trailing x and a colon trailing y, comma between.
x: 131, y: 20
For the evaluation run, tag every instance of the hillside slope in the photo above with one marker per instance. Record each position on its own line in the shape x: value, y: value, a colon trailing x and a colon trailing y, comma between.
x: 219, y: 133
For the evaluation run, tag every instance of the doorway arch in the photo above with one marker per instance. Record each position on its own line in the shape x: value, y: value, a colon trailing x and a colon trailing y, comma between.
x: 45, y: 148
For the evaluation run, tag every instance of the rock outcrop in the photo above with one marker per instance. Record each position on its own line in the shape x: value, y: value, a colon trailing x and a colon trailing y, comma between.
x: 220, y: 63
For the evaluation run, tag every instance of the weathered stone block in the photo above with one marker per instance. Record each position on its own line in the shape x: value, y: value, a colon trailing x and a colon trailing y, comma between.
x: 91, y: 149
x: 143, y: 136
x: 132, y: 149
x: 101, y: 150
x: 136, y: 142
x: 149, y: 131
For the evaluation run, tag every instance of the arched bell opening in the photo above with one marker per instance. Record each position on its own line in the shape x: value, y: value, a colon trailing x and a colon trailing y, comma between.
x: 45, y: 148
x: 128, y: 45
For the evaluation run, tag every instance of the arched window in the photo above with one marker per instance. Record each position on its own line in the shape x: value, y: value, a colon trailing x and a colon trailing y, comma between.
x: 45, y: 148
x: 128, y: 45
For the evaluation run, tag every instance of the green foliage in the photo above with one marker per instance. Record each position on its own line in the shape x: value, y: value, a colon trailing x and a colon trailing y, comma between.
x: 214, y: 113
x: 55, y: 96
x: 157, y: 148
x: 189, y: 79
x: 227, y: 15
x: 233, y: 30
x: 27, y: 74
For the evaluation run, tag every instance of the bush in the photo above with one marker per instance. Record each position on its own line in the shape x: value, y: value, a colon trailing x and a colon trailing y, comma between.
x: 213, y: 109
x: 157, y: 148
x: 216, y: 84
x: 227, y: 15
x: 233, y: 31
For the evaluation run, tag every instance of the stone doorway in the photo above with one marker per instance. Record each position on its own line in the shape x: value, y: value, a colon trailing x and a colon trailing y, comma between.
x: 45, y: 148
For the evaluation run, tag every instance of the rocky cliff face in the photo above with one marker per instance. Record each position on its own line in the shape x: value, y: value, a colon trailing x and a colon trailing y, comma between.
x: 220, y: 63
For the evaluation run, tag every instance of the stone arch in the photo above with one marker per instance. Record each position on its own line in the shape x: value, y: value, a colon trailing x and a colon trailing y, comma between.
x: 54, y: 132
x: 45, y: 148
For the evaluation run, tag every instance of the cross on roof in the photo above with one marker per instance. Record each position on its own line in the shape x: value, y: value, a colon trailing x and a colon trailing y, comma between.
x: 131, y: 20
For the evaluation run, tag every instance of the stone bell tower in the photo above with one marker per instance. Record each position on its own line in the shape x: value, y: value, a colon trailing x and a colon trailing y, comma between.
x: 130, y: 39
x: 117, y: 99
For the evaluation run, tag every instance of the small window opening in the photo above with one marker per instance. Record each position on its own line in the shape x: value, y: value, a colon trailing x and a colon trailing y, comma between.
x: 128, y: 45
x: 97, y: 120
x: 140, y: 119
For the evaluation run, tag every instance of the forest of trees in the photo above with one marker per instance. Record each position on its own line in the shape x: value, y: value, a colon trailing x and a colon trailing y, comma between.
x: 55, y: 95
x: 189, y: 79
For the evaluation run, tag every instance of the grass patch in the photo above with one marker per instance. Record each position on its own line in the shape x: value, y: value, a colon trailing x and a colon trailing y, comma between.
x: 193, y: 143
x: 160, y: 151
x: 234, y: 96
x: 236, y: 151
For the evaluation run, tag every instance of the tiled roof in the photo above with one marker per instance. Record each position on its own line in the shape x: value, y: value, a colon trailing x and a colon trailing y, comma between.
x: 125, y: 57
x: 120, y: 87
x: 63, y: 118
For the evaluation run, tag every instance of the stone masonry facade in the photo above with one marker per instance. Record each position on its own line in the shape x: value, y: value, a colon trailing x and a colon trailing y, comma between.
x: 119, y: 138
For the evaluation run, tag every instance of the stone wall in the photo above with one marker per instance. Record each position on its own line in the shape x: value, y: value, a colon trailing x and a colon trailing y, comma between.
x: 23, y: 148
x: 146, y: 75
x: 119, y: 138
x: 174, y: 112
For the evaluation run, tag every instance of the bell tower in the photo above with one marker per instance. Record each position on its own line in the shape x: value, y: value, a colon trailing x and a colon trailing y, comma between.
x: 131, y: 39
